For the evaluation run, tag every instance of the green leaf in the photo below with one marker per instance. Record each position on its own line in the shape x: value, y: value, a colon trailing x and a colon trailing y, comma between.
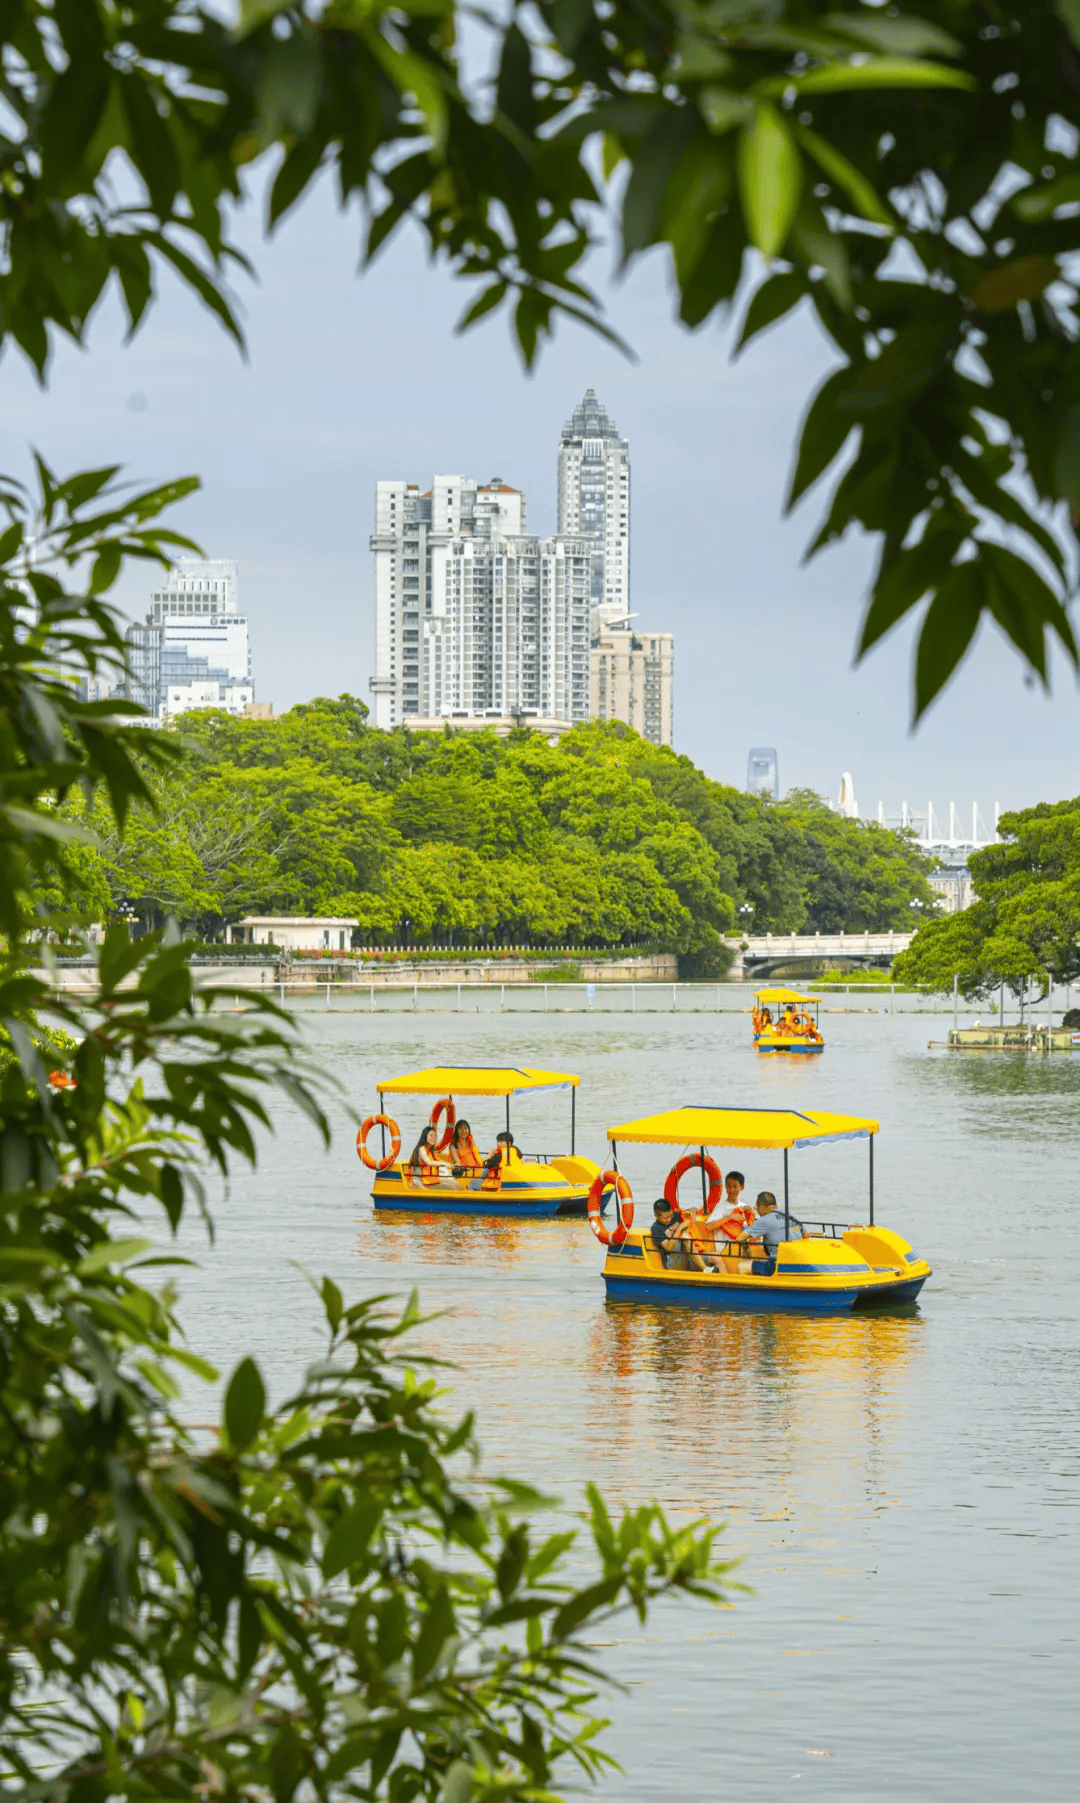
x: 332, y: 1303
x: 298, y: 166
x: 823, y: 249
x: 111, y: 1252
x: 1032, y: 607
x: 862, y: 193
x: 289, y: 85
x: 245, y: 1405
x: 771, y: 302
x: 875, y: 72
x: 897, y: 37
x: 1036, y: 204
x: 350, y: 1537
x: 824, y: 434
x: 392, y: 1629
x: 172, y: 1194
x: 436, y: 1628
x: 286, y: 1763
x: 106, y: 568
x: 724, y: 108
x: 491, y: 298
x: 905, y: 579
x: 1068, y: 11
x: 514, y: 91
x: 948, y: 627
x: 457, y: 1786
x: 577, y: 1609
x: 653, y: 168
x: 770, y: 180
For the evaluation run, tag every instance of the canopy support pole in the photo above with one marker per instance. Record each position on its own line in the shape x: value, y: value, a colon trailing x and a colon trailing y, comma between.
x: 787, y: 1203
x: 871, y: 1180
x: 573, y: 1119
x: 382, y: 1124
x: 704, y: 1191
x: 508, y: 1114
x: 614, y: 1156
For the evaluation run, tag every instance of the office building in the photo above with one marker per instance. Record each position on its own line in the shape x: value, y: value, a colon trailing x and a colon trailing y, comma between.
x: 763, y: 772
x: 631, y: 674
x: 594, y: 497
x: 476, y: 620
x: 193, y: 648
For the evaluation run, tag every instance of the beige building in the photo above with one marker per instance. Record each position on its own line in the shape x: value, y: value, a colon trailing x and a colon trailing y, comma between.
x: 631, y: 675
x: 295, y: 932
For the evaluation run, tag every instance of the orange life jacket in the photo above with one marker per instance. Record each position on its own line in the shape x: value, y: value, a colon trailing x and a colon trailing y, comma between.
x: 507, y: 1155
x: 427, y: 1168
x: 466, y: 1153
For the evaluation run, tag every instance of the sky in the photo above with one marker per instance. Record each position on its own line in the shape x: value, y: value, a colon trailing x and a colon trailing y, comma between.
x: 350, y: 378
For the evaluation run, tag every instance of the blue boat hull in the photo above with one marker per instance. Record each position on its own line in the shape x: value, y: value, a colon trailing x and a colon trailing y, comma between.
x: 737, y: 1299
x: 435, y: 1204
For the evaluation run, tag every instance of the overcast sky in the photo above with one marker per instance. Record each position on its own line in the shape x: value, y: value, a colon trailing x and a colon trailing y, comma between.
x: 354, y: 378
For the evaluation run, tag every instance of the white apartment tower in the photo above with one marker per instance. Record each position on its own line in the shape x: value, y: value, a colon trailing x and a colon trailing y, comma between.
x: 475, y: 620
x: 594, y: 496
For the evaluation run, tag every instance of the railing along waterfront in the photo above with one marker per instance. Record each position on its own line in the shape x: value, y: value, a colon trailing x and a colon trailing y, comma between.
x: 376, y: 997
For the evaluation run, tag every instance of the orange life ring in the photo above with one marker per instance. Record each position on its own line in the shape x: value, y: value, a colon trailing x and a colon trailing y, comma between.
x: 378, y: 1120
x: 692, y: 1161
x: 445, y: 1105
x: 624, y: 1196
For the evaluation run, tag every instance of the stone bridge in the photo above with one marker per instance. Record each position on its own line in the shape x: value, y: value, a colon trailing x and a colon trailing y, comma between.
x: 812, y: 952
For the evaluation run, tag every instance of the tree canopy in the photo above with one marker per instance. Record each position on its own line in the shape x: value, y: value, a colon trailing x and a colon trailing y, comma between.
x: 908, y: 172
x: 467, y: 838
x: 1025, y: 922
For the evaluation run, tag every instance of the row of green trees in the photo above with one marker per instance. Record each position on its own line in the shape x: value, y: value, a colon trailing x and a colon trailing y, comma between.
x: 467, y: 839
x: 1025, y: 923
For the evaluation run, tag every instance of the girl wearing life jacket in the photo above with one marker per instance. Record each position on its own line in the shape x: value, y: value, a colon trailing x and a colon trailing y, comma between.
x: 463, y: 1152
x: 423, y: 1160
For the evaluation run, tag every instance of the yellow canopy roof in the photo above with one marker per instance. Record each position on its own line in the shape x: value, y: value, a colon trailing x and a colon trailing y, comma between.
x: 765, y: 1128
x: 475, y: 1080
x: 783, y: 995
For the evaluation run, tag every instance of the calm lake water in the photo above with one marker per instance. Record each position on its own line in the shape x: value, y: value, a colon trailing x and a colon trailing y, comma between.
x: 902, y: 1489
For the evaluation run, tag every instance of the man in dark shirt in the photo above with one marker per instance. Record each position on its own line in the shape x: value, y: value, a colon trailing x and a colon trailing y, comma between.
x: 770, y: 1229
x: 669, y: 1233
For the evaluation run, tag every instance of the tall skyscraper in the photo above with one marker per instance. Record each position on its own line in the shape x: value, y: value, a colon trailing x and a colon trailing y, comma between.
x: 631, y: 674
x: 474, y: 618
x: 193, y: 649
x: 594, y: 496
x: 763, y: 772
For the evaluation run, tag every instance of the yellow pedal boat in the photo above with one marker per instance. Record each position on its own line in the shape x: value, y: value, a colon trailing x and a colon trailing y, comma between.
x: 517, y: 1184
x: 835, y: 1268
x: 792, y: 1030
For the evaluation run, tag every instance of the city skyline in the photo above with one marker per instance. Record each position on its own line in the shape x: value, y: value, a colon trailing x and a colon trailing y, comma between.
x: 290, y: 443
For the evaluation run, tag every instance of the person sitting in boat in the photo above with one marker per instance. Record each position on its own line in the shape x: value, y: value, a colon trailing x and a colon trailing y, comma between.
x: 499, y: 1162
x: 671, y: 1235
x: 770, y: 1229
x: 423, y: 1160
x: 464, y: 1153
x: 730, y: 1224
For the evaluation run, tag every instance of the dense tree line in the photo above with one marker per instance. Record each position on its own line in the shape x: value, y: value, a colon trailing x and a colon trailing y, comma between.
x: 467, y: 839
x: 1025, y: 922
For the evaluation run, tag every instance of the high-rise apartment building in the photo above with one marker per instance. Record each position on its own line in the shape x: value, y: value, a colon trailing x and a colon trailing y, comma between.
x: 631, y: 674
x: 474, y: 618
x: 594, y: 496
x: 193, y: 649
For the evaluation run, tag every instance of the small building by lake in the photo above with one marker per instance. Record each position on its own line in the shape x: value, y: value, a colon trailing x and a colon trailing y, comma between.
x: 295, y: 932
